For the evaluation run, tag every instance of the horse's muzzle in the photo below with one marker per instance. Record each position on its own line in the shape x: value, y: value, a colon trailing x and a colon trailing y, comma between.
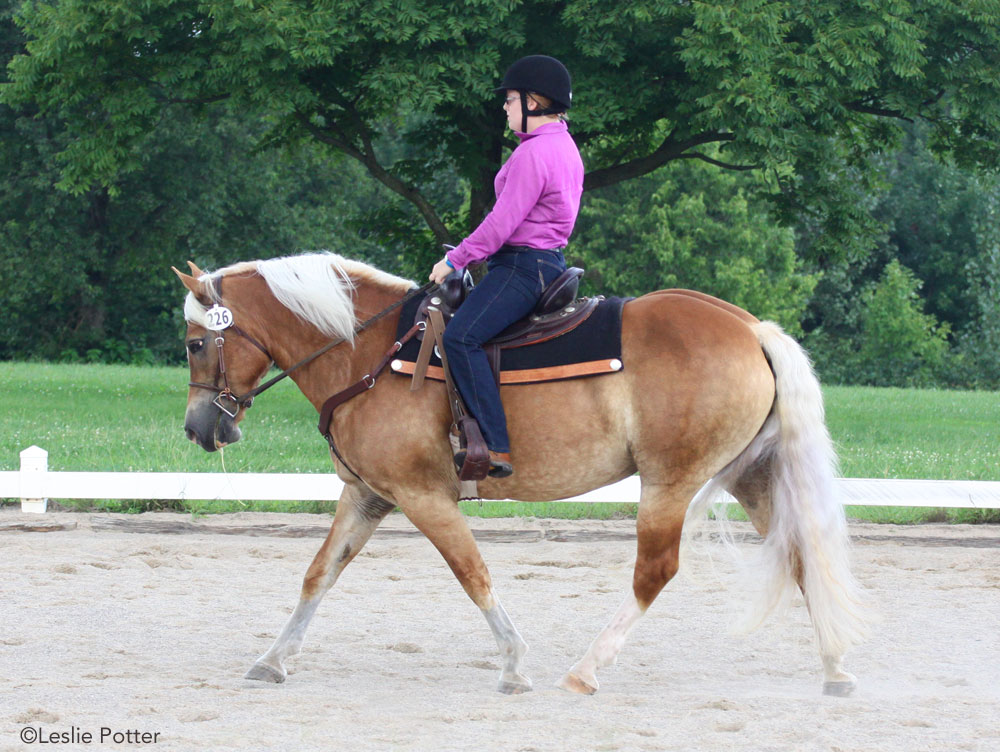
x: 210, y: 428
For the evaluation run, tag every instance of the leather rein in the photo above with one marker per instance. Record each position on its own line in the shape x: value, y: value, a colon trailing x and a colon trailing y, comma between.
x: 225, y: 395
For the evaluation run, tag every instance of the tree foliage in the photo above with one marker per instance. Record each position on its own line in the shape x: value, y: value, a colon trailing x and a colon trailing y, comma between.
x: 85, y: 275
x: 979, y: 344
x: 804, y: 91
x: 693, y: 227
x: 940, y: 224
x: 901, y: 345
x: 157, y: 120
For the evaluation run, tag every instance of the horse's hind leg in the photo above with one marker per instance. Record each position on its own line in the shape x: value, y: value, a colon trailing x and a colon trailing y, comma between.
x: 753, y: 491
x: 359, y: 512
x: 440, y: 519
x: 659, y: 523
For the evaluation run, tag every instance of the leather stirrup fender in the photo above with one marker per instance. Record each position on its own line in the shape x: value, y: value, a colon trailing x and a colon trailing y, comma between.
x: 424, y: 356
x: 477, y: 457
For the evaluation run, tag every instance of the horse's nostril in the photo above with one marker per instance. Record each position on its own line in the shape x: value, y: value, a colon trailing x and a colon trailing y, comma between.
x: 190, y: 434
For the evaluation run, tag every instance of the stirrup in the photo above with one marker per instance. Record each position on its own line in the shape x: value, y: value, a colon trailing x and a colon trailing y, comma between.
x: 475, y: 464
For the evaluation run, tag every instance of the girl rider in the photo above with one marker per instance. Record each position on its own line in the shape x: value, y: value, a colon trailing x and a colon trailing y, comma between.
x: 538, y: 197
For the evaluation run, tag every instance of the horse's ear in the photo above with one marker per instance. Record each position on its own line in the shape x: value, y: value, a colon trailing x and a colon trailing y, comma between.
x: 194, y: 269
x: 191, y: 284
x: 187, y: 280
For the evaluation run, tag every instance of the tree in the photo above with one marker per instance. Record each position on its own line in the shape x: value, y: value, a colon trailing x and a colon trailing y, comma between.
x: 980, y: 343
x: 901, y: 345
x: 942, y: 224
x: 896, y: 342
x: 804, y: 92
x: 939, y: 223
x: 86, y: 276
x: 696, y: 227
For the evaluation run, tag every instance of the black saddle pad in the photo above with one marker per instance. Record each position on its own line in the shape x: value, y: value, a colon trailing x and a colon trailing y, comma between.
x: 594, y: 347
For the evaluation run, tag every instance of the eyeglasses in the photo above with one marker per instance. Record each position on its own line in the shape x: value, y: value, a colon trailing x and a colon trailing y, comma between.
x: 508, y: 100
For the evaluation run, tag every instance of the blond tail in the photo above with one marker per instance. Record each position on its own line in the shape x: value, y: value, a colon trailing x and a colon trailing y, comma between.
x: 807, y: 525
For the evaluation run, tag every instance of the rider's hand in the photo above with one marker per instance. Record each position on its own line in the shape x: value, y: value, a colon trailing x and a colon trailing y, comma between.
x: 440, y: 271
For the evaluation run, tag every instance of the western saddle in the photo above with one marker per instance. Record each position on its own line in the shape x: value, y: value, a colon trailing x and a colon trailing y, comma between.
x: 557, y: 312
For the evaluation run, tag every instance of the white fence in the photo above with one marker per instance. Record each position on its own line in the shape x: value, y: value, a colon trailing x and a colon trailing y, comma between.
x: 34, y: 485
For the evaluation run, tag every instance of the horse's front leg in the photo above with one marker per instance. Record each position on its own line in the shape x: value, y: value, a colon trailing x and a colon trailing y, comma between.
x: 439, y: 518
x: 359, y: 512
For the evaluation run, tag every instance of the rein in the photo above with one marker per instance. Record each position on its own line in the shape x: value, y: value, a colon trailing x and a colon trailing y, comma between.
x: 246, y: 400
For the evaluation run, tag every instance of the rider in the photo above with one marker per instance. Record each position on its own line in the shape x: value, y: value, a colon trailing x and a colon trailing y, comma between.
x: 538, y: 193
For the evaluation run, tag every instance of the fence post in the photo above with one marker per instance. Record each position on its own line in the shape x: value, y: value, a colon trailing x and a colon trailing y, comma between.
x: 34, y: 466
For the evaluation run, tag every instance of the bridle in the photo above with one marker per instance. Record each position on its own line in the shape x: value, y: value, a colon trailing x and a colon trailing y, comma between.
x: 225, y: 395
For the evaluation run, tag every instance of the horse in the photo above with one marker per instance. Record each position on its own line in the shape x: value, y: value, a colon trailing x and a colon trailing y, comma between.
x: 710, y: 399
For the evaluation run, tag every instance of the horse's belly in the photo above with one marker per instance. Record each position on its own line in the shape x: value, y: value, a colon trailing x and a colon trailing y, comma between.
x: 567, y: 438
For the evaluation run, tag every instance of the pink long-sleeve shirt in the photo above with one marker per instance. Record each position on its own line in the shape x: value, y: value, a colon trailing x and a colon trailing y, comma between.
x: 538, y: 197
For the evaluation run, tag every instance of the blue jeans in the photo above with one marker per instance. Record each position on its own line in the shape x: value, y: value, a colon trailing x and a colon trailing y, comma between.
x: 509, y: 292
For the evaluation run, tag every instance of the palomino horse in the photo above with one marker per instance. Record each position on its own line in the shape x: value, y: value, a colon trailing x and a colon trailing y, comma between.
x: 709, y: 394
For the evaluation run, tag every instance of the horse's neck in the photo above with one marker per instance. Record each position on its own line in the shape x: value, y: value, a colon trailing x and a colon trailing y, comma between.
x: 344, y: 364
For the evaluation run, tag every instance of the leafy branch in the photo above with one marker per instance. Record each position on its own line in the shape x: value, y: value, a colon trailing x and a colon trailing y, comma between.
x: 365, y: 154
x: 665, y: 152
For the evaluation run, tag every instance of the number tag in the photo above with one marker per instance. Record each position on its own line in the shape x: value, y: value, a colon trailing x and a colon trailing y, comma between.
x: 219, y: 318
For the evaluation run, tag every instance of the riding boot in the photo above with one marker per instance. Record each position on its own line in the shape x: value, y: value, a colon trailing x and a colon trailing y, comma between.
x: 500, y: 464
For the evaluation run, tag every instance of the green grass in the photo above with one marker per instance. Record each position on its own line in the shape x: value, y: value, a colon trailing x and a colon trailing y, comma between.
x: 126, y: 418
x: 915, y: 433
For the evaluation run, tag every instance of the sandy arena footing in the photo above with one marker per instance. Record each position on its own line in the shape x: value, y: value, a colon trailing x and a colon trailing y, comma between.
x: 144, y: 625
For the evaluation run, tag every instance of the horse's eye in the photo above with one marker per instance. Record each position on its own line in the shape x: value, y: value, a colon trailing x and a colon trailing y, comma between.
x: 195, y: 345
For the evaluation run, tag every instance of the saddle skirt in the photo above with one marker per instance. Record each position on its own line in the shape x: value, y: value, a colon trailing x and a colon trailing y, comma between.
x: 581, y: 338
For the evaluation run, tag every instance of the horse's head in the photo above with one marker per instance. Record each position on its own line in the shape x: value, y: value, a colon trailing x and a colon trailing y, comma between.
x: 226, y: 362
x: 293, y: 305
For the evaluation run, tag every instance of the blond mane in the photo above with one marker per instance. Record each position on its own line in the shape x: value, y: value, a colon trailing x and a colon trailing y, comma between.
x: 316, y: 287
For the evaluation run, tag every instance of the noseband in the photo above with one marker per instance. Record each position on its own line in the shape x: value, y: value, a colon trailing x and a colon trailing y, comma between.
x: 225, y: 395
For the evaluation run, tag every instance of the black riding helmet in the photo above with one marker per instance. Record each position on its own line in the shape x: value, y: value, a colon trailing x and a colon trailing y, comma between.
x: 543, y: 75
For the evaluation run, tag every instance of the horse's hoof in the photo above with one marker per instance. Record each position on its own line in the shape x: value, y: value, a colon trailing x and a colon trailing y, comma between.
x: 573, y: 683
x: 518, y: 686
x: 263, y: 672
x: 839, y: 688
